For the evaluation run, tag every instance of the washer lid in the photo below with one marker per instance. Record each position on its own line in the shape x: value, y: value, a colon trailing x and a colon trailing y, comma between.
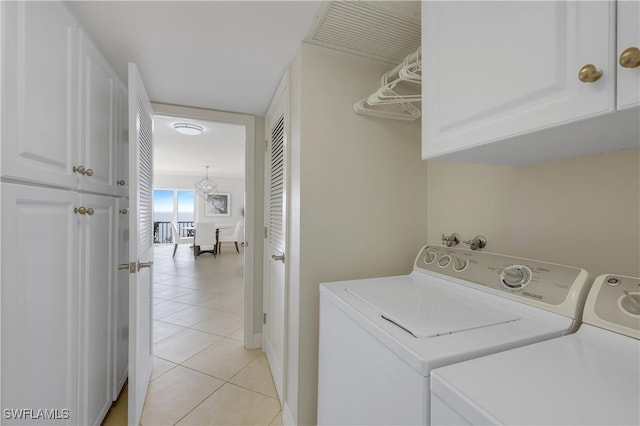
x: 427, y: 311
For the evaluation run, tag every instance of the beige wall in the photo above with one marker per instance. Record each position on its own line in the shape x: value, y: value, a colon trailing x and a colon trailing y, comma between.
x: 358, y: 198
x: 583, y: 211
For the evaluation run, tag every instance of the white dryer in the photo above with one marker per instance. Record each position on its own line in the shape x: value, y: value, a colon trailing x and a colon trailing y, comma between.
x: 591, y: 377
x: 380, y: 338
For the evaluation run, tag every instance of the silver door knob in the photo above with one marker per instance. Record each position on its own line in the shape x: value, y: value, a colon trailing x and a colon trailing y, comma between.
x: 279, y: 257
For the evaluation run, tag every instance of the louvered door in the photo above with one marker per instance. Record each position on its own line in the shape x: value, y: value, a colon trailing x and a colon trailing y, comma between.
x: 275, y: 247
x: 140, y: 242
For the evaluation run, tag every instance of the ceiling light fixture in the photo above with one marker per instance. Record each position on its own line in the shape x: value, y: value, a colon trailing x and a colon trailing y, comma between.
x: 189, y: 129
x: 206, y: 187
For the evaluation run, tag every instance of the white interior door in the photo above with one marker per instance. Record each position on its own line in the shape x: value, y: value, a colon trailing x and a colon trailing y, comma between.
x: 275, y: 280
x: 140, y: 242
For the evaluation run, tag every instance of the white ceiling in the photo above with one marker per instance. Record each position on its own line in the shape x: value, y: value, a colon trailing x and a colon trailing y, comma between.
x: 221, y: 55
x: 220, y: 146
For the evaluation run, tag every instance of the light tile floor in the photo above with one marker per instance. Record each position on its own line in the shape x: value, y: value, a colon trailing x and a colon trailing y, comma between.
x: 202, y: 375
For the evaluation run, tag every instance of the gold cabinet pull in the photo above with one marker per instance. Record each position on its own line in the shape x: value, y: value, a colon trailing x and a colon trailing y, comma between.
x: 124, y: 211
x: 589, y: 74
x: 80, y: 170
x: 121, y: 182
x: 89, y: 172
x: 84, y: 210
x: 630, y: 58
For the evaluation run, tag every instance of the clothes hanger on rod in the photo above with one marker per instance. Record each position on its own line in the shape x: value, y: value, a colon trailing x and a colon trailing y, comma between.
x: 399, y: 88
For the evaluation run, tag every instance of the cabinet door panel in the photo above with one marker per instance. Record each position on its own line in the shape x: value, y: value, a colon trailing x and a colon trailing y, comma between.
x: 628, y: 36
x: 97, y: 138
x: 499, y: 69
x: 122, y: 141
x: 39, y: 86
x: 95, y: 292
x: 39, y: 300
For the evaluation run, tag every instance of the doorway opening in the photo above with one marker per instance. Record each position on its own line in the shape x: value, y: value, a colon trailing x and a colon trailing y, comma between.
x: 228, y: 149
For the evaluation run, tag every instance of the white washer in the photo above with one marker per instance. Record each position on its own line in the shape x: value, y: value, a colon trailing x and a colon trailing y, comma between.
x: 380, y: 338
x: 591, y: 377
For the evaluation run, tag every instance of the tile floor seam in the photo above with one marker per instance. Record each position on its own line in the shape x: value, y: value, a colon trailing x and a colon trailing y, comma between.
x: 197, y: 405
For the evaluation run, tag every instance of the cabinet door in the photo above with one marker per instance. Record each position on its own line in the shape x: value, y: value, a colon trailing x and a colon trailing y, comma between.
x: 122, y: 141
x: 39, y: 93
x: 98, y: 267
x: 121, y: 299
x: 494, y: 70
x: 97, y: 118
x: 39, y: 301
x: 628, y: 36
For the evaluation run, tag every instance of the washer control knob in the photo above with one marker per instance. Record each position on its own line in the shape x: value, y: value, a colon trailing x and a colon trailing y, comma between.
x: 444, y: 261
x: 459, y: 264
x: 515, y: 277
x: 429, y: 257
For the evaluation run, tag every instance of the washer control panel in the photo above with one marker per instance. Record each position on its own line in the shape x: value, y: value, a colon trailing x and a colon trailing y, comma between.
x: 558, y: 288
x: 614, y: 304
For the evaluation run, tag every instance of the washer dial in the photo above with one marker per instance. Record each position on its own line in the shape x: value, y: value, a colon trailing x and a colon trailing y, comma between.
x: 515, y: 277
x: 444, y: 261
x: 429, y: 257
x: 459, y: 264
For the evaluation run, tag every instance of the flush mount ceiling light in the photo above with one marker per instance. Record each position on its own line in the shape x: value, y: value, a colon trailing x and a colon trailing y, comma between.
x: 189, y: 129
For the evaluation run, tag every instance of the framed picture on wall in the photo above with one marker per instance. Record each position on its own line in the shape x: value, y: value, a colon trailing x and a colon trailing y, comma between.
x: 218, y: 205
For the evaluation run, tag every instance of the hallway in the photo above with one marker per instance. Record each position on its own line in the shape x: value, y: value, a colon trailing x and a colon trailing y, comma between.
x: 202, y: 375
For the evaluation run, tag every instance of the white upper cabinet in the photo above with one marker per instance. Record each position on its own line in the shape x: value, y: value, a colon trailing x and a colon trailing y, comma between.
x: 59, y: 102
x: 97, y: 108
x: 503, y: 80
x: 39, y: 93
x: 628, y: 54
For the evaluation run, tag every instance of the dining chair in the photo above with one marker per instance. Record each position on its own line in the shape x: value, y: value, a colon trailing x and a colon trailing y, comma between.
x: 177, y: 239
x: 232, y: 238
x: 205, y: 238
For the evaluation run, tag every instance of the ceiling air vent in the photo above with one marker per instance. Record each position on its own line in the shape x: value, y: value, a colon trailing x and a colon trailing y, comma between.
x: 383, y: 30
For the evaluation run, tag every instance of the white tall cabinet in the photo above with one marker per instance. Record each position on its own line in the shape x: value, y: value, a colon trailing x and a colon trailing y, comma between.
x: 64, y: 318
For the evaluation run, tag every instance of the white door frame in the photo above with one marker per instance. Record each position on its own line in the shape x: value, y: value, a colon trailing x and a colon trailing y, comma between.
x: 253, y: 209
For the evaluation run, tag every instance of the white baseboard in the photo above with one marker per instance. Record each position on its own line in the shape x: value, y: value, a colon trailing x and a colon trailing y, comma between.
x: 253, y: 341
x: 287, y: 417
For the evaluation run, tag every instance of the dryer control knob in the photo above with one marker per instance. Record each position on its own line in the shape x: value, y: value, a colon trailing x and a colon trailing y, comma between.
x: 515, y: 277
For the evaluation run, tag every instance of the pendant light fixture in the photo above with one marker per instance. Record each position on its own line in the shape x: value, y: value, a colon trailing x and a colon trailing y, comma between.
x: 206, y: 187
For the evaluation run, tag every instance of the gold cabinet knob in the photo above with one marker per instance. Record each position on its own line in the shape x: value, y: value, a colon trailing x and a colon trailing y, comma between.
x: 124, y: 211
x: 89, y: 172
x: 79, y: 169
x: 589, y: 74
x: 630, y: 58
x: 83, y: 210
